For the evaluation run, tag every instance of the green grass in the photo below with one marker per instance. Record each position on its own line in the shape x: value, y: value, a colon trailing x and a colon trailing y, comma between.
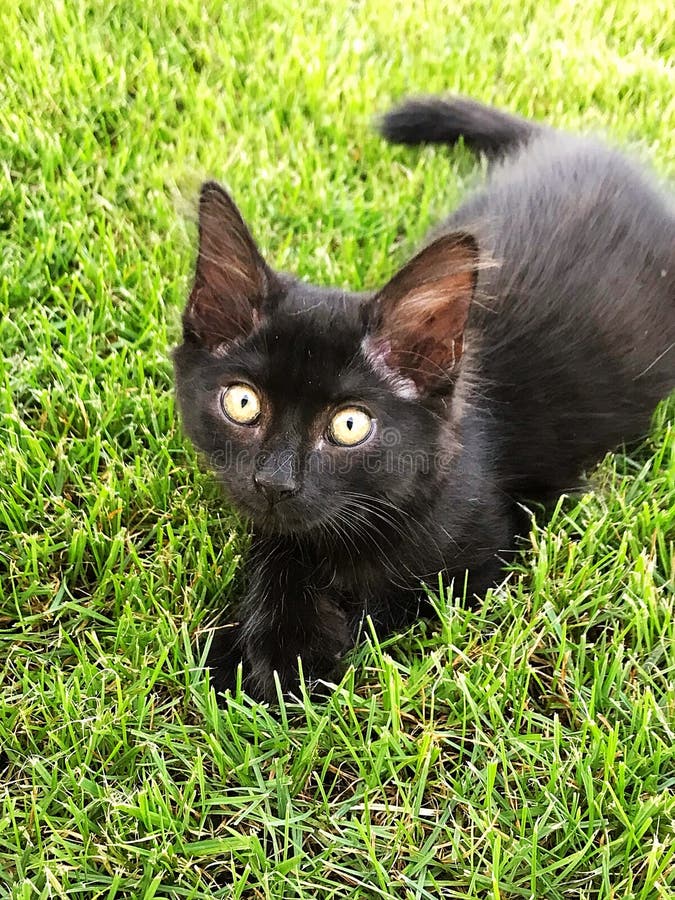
x: 524, y: 749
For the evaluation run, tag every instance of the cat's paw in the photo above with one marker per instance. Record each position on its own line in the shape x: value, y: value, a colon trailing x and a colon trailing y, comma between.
x: 272, y: 663
x: 266, y: 678
x: 224, y: 658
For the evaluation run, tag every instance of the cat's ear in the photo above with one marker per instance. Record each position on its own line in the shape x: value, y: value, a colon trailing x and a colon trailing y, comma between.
x: 232, y: 280
x: 418, y: 318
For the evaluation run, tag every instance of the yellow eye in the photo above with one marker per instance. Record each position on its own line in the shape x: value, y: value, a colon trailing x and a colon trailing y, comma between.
x: 350, y: 426
x: 241, y: 404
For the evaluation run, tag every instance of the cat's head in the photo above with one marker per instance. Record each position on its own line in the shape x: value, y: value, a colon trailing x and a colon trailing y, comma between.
x: 313, y: 405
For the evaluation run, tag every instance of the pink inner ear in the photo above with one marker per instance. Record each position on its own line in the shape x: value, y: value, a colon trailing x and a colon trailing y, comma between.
x: 436, y: 309
x: 216, y: 320
x: 424, y: 309
x: 231, y: 277
x: 427, y: 360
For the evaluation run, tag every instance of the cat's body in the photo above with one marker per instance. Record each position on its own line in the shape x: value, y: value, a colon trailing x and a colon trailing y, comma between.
x: 534, y: 333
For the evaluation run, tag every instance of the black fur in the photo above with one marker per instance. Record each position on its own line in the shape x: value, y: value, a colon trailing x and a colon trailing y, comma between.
x: 534, y: 333
x: 433, y: 120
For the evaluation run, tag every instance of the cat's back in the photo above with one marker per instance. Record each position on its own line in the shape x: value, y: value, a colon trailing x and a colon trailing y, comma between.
x: 575, y: 321
x: 569, y: 217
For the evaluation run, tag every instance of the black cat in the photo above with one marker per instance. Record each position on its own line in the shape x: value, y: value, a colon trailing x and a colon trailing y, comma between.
x: 375, y: 439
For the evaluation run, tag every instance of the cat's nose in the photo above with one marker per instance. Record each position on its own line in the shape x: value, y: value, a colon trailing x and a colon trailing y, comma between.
x: 276, y: 480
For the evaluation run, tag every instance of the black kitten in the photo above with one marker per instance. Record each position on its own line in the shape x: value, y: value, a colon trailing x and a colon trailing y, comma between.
x: 377, y: 439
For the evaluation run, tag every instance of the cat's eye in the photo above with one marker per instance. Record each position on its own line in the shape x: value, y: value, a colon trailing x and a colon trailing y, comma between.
x: 350, y: 426
x: 241, y: 404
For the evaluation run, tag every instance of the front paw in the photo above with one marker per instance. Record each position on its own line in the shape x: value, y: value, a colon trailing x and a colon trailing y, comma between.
x: 230, y: 649
x: 224, y: 658
x: 268, y: 649
x: 319, y: 638
x: 266, y: 679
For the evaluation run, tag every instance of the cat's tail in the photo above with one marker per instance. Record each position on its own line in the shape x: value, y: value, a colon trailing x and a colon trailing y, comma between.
x: 436, y: 120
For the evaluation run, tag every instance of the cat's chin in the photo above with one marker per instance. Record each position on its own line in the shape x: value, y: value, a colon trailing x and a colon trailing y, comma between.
x: 277, y: 523
x: 280, y: 521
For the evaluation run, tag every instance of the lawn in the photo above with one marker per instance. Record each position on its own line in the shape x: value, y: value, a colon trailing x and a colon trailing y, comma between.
x: 521, y: 749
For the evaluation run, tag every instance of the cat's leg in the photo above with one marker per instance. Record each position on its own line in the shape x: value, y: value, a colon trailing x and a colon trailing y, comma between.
x: 283, y: 616
x: 224, y: 657
x: 308, y: 625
